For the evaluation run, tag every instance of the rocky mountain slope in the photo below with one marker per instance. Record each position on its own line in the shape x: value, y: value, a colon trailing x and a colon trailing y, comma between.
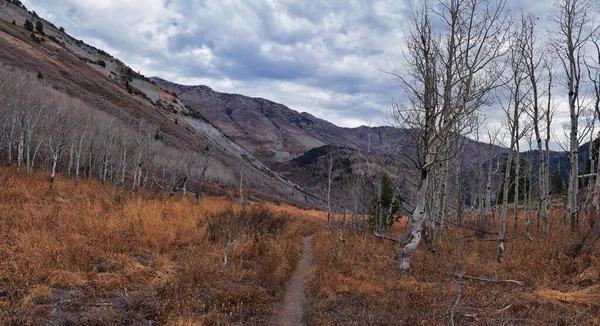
x: 105, y: 83
x: 272, y: 131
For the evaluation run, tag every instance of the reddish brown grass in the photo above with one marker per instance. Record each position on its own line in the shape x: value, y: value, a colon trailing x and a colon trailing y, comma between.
x: 87, y: 254
x: 354, y: 281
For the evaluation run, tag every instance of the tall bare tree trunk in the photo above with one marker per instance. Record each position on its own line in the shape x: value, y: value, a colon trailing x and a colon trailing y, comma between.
x: 517, y: 179
x: 417, y: 222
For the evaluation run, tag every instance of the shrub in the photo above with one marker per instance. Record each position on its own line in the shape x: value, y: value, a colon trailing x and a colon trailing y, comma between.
x: 28, y: 25
x: 35, y: 38
x: 14, y: 22
x: 254, y: 221
x: 61, y: 29
x: 101, y: 63
x: 39, y: 27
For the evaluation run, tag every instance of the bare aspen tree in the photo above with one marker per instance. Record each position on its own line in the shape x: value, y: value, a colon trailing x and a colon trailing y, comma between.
x: 528, y: 194
x: 517, y: 93
x: 441, y: 106
x: 141, y: 147
x: 124, y: 147
x: 207, y: 160
x: 492, y: 142
x: 242, y: 200
x: 82, y: 137
x: 594, y: 75
x: 328, y: 164
x: 58, y: 130
x: 575, y: 28
x: 533, y: 62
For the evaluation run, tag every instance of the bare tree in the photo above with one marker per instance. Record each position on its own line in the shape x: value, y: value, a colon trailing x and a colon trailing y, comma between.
x: 58, y: 129
x: 328, y: 164
x: 513, y: 110
x: 575, y: 28
x: 442, y: 106
x: 207, y: 160
x: 534, y: 59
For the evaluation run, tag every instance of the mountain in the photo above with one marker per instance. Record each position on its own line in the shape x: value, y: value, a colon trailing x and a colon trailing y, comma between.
x: 273, y: 132
x: 255, y: 135
x: 103, y: 82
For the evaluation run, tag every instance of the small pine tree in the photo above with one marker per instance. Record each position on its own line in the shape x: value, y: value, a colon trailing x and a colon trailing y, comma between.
x: 28, y: 25
x: 39, y: 27
x: 385, y: 207
x: 40, y: 76
x: 557, y: 184
x: 14, y: 22
x: 61, y: 29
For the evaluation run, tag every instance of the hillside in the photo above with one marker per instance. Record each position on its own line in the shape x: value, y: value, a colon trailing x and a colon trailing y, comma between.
x: 105, y: 83
x: 271, y: 131
x: 264, y: 135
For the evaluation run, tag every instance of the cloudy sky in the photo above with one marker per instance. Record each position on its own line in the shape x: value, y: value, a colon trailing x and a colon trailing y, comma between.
x: 323, y: 57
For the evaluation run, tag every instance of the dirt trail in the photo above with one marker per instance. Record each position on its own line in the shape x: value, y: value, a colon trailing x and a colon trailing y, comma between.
x: 292, y: 312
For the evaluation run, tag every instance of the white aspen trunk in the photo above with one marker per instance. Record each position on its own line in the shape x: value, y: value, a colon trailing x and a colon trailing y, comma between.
x: 20, y: 148
x: 417, y: 222
x: 9, y: 144
x: 104, y: 172
x: 35, y: 154
x: 71, y: 157
x: 28, y: 163
x: 502, y: 231
x: 543, y: 198
x: 573, y: 177
x: 546, y: 180
x: 198, y: 193
x: 595, y: 200
x: 517, y: 178
x: 441, y: 213
x: 242, y: 205
x: 528, y: 212
x: 123, y: 167
x: 54, y: 162
x: 77, y: 162
x: 459, y: 201
x: 329, y: 182
x: 488, y: 187
x: 472, y: 213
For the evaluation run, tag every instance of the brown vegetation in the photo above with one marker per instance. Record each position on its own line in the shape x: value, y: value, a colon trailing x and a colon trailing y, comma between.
x: 87, y: 254
x: 354, y: 281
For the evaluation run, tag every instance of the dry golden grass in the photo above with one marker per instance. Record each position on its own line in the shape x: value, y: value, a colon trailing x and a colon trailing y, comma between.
x: 354, y: 281
x: 87, y: 254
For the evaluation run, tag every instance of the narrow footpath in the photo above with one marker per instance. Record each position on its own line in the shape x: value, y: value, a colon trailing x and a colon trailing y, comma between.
x: 294, y: 303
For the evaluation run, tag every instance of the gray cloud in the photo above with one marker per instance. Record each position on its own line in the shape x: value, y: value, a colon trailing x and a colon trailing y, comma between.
x: 319, y: 57
x: 322, y: 57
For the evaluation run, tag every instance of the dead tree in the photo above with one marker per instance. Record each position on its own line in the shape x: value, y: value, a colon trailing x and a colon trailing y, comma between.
x: 202, y: 177
x: 328, y: 164
x: 442, y: 106
x: 575, y: 27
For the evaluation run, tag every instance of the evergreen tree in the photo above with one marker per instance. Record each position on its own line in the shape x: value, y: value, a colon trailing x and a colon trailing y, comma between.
x: 39, y: 27
x: 28, y: 25
x: 557, y: 184
x: 385, y: 206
